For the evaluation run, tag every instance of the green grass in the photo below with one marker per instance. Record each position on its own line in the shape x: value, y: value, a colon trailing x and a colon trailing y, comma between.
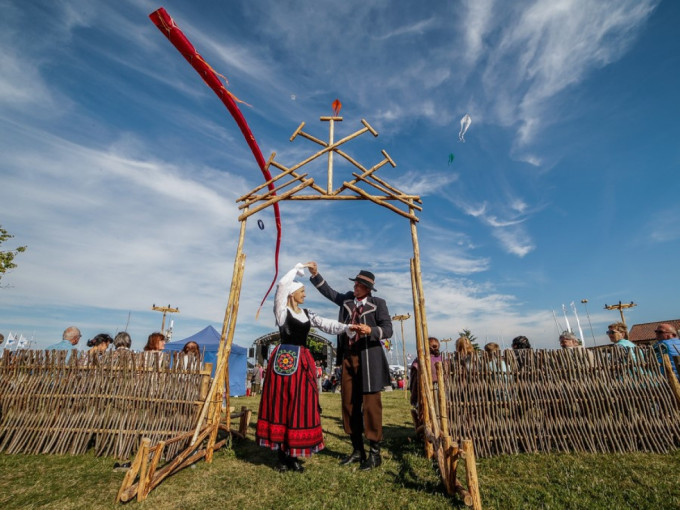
x: 243, y: 477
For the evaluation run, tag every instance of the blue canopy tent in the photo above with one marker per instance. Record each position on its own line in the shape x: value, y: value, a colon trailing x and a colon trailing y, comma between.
x: 208, y: 340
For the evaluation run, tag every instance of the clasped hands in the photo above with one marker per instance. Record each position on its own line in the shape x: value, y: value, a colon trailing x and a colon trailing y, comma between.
x: 361, y: 329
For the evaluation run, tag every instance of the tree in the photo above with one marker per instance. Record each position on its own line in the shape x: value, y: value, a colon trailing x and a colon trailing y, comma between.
x: 7, y: 257
x: 471, y: 337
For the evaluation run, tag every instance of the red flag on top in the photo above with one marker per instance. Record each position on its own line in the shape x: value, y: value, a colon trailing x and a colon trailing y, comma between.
x: 337, y: 105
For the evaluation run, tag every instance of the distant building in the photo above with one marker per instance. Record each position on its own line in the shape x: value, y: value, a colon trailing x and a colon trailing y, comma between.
x: 643, y: 334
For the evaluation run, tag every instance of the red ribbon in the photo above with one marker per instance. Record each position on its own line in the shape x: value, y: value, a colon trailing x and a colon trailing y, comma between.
x: 167, y: 25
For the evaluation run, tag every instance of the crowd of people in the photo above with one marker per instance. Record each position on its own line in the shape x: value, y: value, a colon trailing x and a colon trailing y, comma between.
x: 122, y: 342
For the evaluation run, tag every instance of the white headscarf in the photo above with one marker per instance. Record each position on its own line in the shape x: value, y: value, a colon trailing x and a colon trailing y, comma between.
x: 293, y: 286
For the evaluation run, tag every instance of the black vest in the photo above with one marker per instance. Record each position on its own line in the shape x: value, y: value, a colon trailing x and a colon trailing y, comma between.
x: 294, y: 332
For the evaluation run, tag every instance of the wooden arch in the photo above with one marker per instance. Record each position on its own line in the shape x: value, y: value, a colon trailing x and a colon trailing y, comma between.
x: 291, y: 184
x: 365, y: 184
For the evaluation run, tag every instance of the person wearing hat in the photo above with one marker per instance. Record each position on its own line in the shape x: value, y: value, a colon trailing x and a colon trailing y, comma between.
x: 365, y: 371
x: 289, y: 420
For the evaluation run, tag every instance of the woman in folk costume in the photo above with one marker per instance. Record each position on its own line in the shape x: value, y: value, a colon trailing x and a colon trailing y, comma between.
x: 289, y: 420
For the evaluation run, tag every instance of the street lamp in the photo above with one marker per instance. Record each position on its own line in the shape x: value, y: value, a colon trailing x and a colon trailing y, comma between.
x: 585, y: 305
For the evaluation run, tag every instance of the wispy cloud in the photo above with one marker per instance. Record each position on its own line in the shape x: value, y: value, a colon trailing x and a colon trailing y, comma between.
x: 514, y: 240
x: 424, y: 183
x: 550, y: 46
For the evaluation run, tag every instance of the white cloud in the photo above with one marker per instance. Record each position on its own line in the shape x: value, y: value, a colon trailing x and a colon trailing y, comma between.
x: 458, y: 263
x: 514, y: 240
x: 424, y: 183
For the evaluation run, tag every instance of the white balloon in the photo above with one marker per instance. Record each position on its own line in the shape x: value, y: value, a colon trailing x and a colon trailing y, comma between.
x: 464, y: 125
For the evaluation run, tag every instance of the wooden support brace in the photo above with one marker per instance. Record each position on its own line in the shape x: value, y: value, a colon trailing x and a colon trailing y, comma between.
x: 395, y: 190
x: 143, y: 473
x: 380, y: 202
x: 297, y: 131
x: 313, y: 139
x: 406, y: 200
x: 256, y: 198
x: 267, y: 183
x: 388, y: 158
x: 245, y: 421
x: 275, y: 199
x: 291, y: 171
x: 154, y: 464
x: 368, y: 126
x: 471, y: 472
x: 131, y: 474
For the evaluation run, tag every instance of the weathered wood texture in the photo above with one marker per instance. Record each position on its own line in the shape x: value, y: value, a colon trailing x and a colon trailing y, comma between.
x: 63, y: 403
x: 563, y: 400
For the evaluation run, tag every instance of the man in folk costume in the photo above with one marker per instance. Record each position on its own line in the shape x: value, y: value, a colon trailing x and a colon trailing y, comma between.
x: 365, y: 371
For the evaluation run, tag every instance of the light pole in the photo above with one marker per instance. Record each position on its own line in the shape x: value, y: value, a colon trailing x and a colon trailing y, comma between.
x: 585, y: 305
x: 401, y: 319
x: 620, y: 306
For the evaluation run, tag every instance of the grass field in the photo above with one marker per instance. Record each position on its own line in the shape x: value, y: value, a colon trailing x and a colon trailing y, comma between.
x: 244, y: 478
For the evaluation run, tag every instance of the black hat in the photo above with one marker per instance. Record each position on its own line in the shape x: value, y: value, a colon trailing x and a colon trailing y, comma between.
x: 365, y: 278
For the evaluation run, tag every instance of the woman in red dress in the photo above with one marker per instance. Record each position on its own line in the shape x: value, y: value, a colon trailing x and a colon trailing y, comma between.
x: 289, y: 420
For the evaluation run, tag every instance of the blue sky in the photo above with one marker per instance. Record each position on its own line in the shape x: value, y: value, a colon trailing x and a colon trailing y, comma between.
x: 120, y: 168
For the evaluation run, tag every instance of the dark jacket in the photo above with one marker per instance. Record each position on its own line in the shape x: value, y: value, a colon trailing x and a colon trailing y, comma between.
x: 375, y: 369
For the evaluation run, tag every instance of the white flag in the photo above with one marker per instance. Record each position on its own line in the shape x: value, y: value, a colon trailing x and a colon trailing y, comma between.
x: 22, y: 343
x: 10, y: 340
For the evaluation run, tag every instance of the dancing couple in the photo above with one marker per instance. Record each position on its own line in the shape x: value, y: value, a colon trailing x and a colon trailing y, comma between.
x: 289, y: 418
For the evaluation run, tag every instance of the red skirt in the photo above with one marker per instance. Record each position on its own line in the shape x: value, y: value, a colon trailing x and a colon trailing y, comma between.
x: 289, y: 416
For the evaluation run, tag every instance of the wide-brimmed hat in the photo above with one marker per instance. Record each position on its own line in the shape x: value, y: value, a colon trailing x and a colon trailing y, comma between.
x: 365, y: 278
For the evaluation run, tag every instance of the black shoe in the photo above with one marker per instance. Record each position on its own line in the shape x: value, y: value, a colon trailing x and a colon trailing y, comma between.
x: 374, y: 459
x: 356, y: 456
x: 295, y: 465
x: 282, y: 464
x: 371, y: 462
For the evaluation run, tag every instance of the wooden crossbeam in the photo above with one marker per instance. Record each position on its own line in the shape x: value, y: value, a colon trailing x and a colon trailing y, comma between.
x: 256, y: 198
x: 276, y: 199
x: 292, y: 172
x: 380, y: 202
x: 395, y: 190
x: 405, y: 201
x: 266, y: 183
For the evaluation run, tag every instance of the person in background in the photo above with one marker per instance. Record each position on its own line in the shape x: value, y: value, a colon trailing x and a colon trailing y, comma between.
x: 520, y: 342
x: 568, y: 340
x: 319, y: 376
x: 521, y: 347
x: 464, y: 349
x: 667, y: 342
x: 192, y: 349
x: 414, y: 376
x: 69, y: 341
x: 257, y: 379
x: 618, y: 335
x: 496, y: 360
x: 99, y: 343
x: 122, y: 341
x: 156, y: 342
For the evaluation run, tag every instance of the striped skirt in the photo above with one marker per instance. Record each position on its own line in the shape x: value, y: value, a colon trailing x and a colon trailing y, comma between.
x: 289, y: 416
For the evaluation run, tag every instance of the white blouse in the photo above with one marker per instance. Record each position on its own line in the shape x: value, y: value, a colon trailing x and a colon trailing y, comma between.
x: 330, y: 326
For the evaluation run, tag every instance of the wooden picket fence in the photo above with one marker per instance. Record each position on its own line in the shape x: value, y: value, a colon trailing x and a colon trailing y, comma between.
x: 68, y: 401
x: 573, y: 400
